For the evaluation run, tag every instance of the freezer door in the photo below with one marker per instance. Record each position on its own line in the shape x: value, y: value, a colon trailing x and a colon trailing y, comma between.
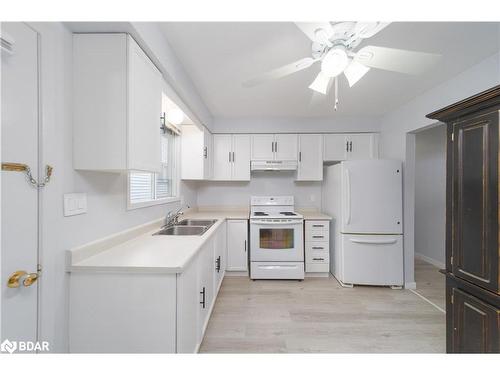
x: 372, y: 260
x: 372, y: 200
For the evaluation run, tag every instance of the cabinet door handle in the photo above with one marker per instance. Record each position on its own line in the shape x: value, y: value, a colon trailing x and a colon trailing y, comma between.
x: 233, y: 156
x: 275, y: 146
x: 318, y: 226
x: 272, y: 147
x: 318, y: 259
x: 245, y: 246
x: 202, y: 303
x: 318, y: 248
x: 350, y: 146
x: 205, y: 152
x: 229, y: 153
x: 347, y: 146
x: 217, y: 264
x: 318, y: 236
x: 300, y: 156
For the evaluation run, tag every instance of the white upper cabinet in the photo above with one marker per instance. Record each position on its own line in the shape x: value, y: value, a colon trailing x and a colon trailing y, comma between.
x: 338, y: 147
x: 285, y: 146
x: 241, y: 157
x: 222, y: 157
x: 231, y: 157
x: 263, y: 147
x: 282, y: 147
x: 117, y: 105
x: 310, y: 166
x: 196, y: 153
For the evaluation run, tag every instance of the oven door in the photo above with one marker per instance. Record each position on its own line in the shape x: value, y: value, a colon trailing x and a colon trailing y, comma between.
x: 276, y: 241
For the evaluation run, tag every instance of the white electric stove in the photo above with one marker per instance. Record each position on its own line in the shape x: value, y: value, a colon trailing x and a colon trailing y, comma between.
x: 276, y: 239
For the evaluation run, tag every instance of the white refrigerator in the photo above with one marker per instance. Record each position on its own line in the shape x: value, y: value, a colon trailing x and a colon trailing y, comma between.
x: 364, y: 198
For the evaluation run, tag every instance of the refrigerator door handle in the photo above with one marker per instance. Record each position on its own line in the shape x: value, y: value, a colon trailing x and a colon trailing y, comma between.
x: 348, y: 189
x: 374, y: 242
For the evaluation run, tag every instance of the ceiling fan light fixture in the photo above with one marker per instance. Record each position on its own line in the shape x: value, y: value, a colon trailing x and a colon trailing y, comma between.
x: 320, y: 84
x: 334, y: 62
x: 355, y: 71
x: 175, y: 116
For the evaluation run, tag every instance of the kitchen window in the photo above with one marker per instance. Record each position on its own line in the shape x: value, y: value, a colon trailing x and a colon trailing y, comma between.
x: 146, y: 188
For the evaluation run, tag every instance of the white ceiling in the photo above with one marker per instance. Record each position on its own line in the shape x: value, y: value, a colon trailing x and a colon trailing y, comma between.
x: 219, y: 56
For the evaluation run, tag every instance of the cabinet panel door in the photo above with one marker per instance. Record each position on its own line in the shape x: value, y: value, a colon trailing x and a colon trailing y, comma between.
x: 237, y: 245
x: 220, y: 251
x: 206, y: 285
x: 476, y: 325
x: 263, y: 147
x: 285, y: 147
x: 360, y: 147
x: 335, y: 147
x: 222, y: 157
x: 310, y: 166
x: 207, y: 154
x: 144, y: 108
x: 241, y: 157
x: 475, y: 201
x: 188, y: 304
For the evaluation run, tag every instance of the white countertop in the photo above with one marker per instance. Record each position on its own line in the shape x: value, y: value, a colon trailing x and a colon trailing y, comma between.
x: 138, y: 251
x: 310, y: 214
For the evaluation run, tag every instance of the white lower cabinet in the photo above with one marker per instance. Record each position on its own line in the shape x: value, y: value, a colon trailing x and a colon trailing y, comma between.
x: 147, y: 313
x: 237, y: 245
x: 317, y: 246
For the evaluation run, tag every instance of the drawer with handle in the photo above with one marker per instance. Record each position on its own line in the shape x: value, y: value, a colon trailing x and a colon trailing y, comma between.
x: 317, y: 256
x: 317, y: 236
x: 317, y: 267
x: 317, y: 225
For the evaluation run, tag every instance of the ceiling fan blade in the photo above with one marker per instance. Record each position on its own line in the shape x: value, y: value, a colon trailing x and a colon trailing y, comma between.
x: 320, y: 84
x: 281, y: 72
x: 368, y: 29
x: 317, y: 31
x: 355, y: 71
x: 396, y: 60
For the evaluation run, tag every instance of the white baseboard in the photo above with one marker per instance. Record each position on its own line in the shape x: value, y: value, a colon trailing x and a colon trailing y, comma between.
x: 429, y: 260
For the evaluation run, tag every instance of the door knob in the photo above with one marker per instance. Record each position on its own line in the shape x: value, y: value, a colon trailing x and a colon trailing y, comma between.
x: 30, y: 279
x: 15, y: 278
x: 13, y: 281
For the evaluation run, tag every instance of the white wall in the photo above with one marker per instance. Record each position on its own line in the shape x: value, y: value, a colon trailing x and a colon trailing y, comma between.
x: 397, y: 143
x: 296, y: 125
x: 430, y: 194
x: 107, y: 211
x: 307, y: 194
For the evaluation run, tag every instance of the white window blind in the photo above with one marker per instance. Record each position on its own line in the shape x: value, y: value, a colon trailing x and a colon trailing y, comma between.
x: 147, y: 187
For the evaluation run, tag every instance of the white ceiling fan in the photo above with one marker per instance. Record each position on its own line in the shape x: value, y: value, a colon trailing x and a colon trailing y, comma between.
x: 334, y: 46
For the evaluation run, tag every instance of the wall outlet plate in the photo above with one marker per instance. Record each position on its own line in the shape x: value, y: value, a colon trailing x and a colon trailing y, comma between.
x: 75, y: 204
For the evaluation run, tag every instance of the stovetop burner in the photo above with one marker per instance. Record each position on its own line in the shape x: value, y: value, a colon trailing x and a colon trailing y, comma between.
x: 288, y: 213
x: 259, y: 213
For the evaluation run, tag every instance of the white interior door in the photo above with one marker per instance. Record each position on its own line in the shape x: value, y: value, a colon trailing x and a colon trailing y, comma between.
x: 19, y: 252
x: 372, y: 197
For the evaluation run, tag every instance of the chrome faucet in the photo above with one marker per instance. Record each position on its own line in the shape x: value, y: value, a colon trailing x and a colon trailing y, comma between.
x: 173, y: 218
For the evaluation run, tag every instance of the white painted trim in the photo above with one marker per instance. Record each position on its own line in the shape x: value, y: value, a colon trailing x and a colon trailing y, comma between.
x: 428, y: 301
x: 429, y: 260
x: 411, y: 285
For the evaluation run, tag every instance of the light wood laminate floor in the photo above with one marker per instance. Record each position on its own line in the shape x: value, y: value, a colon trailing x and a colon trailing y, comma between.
x: 318, y: 315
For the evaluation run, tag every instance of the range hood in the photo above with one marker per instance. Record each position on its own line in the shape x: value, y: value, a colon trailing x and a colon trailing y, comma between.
x: 273, y: 165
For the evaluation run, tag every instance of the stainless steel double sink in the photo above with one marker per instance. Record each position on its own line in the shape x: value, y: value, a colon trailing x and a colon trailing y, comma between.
x: 187, y: 227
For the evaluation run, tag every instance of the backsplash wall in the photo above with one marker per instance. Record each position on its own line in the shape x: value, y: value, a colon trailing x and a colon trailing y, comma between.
x: 232, y: 193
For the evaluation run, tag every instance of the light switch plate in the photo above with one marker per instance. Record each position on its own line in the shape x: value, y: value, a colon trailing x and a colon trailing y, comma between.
x: 75, y: 204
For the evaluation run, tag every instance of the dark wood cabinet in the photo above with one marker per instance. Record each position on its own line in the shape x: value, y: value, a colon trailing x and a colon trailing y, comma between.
x: 475, y: 324
x: 472, y: 223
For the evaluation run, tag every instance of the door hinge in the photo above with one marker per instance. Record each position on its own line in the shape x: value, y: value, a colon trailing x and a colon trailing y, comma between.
x: 39, y: 268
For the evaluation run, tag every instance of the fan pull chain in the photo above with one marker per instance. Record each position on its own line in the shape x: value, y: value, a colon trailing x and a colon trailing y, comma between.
x: 336, y: 93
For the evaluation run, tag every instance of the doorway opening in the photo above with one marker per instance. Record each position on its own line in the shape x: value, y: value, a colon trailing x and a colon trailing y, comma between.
x: 430, y: 212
